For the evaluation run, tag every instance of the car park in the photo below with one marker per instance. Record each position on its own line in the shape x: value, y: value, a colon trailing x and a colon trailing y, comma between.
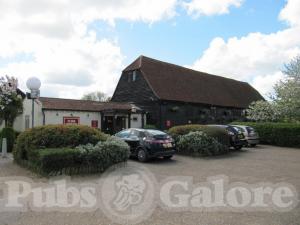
x: 250, y: 134
x: 237, y: 138
x: 147, y: 143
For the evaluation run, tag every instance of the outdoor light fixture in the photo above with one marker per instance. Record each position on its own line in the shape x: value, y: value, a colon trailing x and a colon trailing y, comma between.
x: 33, y: 84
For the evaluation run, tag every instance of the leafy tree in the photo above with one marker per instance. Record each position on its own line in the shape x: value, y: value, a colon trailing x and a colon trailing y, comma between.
x: 285, y: 104
x: 11, y: 103
x: 96, y: 96
x: 287, y: 92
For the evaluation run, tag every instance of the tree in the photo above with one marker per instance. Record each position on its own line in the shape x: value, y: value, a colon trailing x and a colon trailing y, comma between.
x: 11, y: 103
x: 285, y: 104
x: 287, y: 91
x: 263, y: 111
x: 96, y: 96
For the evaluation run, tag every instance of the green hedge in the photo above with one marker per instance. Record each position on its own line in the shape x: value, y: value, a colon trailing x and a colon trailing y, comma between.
x: 216, y: 132
x: 55, y: 136
x: 83, y: 159
x: 200, y: 144
x: 9, y: 134
x: 280, y: 134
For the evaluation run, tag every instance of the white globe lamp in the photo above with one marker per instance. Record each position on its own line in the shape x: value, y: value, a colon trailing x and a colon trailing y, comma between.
x: 33, y: 83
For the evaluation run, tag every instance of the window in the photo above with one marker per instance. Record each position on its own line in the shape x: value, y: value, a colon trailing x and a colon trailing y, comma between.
x: 134, y: 76
x: 123, y: 134
x: 27, y: 121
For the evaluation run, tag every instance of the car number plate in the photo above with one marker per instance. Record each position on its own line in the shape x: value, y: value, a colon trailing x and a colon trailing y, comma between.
x: 168, y: 145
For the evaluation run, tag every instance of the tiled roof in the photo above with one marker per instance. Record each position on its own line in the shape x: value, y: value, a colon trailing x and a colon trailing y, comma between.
x: 176, y: 83
x: 83, y: 105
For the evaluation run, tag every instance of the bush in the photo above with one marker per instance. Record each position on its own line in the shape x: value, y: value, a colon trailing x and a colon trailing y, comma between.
x: 199, y: 144
x: 280, y: 134
x: 216, y: 132
x: 55, y: 136
x: 150, y: 126
x: 9, y: 134
x: 83, y: 159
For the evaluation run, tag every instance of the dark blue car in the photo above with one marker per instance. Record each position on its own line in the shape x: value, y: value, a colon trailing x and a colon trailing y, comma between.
x: 146, y: 144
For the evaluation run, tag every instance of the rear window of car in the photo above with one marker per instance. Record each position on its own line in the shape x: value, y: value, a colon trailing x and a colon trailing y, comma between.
x: 250, y: 129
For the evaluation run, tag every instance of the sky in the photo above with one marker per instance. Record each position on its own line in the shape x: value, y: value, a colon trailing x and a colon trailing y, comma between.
x: 78, y: 46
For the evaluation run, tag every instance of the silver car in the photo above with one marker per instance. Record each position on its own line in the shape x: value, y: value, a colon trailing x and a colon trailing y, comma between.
x: 250, y: 134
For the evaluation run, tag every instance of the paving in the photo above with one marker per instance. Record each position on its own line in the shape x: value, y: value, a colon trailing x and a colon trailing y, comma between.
x: 252, y: 165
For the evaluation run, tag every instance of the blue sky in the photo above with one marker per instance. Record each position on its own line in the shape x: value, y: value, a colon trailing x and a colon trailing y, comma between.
x: 79, y: 47
x: 182, y: 39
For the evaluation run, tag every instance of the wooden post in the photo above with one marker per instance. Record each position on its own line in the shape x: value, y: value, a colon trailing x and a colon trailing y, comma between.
x: 143, y: 120
x: 129, y: 120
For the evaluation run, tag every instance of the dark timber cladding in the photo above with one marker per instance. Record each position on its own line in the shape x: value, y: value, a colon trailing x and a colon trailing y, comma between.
x: 174, y: 95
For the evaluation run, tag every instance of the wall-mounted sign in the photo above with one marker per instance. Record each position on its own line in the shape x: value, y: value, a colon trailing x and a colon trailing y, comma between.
x: 71, y: 120
x: 168, y: 123
x: 94, y: 123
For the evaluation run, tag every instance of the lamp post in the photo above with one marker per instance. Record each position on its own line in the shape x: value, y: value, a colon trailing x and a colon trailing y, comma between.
x: 33, y: 84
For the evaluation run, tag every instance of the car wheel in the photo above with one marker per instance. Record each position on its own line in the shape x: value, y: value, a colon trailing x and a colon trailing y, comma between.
x: 238, y: 147
x: 253, y: 145
x: 142, y: 155
x: 168, y: 157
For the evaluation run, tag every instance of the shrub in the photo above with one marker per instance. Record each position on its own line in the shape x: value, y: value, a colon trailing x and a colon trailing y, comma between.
x: 150, y: 126
x: 199, y: 144
x: 216, y: 132
x: 83, y: 159
x: 55, y: 136
x: 9, y: 134
x: 280, y: 134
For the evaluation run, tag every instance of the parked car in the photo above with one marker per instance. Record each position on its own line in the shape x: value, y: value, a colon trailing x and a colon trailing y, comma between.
x: 146, y: 144
x: 237, y: 138
x: 250, y: 134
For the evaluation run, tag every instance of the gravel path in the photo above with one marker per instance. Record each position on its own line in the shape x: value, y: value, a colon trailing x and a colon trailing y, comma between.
x: 253, y: 165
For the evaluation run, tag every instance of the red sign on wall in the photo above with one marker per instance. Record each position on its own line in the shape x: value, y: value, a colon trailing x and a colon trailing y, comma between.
x: 71, y: 120
x: 95, y: 123
x: 168, y: 123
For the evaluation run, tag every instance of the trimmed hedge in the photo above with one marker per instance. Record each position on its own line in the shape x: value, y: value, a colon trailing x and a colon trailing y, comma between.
x: 280, y: 134
x: 83, y: 159
x: 199, y: 144
x: 9, y: 134
x: 54, y: 136
x: 216, y: 132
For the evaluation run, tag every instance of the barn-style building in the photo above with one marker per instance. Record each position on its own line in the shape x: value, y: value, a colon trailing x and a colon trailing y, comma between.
x: 174, y: 95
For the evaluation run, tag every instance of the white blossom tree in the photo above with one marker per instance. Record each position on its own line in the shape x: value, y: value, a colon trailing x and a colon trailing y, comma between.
x: 11, y: 103
x: 285, y: 104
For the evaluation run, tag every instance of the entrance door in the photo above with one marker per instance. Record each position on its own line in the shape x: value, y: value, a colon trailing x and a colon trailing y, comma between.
x: 108, y: 125
x: 120, y: 123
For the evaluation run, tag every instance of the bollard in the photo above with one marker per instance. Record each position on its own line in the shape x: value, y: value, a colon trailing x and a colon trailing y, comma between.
x: 4, y: 148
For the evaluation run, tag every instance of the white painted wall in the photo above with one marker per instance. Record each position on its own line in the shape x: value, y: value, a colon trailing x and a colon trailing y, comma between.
x: 57, y: 116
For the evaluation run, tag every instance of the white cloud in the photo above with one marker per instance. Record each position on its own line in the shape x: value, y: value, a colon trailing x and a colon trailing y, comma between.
x: 68, y: 58
x: 211, y: 7
x: 291, y: 12
x: 257, y: 58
